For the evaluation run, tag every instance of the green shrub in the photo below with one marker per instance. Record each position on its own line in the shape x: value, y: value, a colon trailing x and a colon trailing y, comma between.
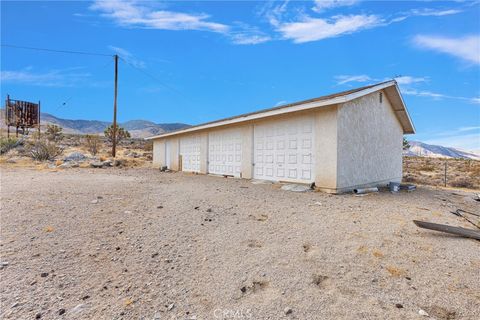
x: 121, y: 134
x: 92, y: 142
x: 7, y: 144
x: 54, y: 132
x: 43, y: 150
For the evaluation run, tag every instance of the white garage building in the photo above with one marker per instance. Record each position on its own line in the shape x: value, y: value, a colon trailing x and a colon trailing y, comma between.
x: 339, y: 142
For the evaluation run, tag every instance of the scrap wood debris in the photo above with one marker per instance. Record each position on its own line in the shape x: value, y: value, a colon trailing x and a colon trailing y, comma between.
x: 467, y: 233
x: 459, y: 213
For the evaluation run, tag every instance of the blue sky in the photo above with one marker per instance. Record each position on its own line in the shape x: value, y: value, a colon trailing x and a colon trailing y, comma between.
x: 192, y: 62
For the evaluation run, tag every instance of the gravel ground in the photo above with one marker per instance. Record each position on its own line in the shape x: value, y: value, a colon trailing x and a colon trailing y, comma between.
x: 141, y: 244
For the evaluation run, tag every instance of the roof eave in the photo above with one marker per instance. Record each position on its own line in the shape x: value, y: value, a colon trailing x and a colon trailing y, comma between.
x: 293, y: 108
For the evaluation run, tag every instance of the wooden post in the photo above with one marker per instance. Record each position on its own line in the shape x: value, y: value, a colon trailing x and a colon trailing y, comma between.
x: 114, y: 138
x: 445, y: 173
x: 7, y: 104
x: 39, y: 119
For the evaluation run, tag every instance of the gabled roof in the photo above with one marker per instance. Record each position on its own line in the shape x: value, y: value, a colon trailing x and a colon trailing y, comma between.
x: 390, y: 88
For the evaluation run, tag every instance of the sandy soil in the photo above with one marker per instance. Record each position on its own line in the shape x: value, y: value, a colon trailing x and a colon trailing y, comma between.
x: 141, y: 244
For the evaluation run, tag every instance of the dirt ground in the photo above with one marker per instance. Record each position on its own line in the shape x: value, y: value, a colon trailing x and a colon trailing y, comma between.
x: 140, y: 244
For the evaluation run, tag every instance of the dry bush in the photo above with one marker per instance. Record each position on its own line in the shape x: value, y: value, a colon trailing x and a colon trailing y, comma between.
x: 427, y: 167
x: 54, y: 132
x: 92, y: 142
x: 148, y: 146
x: 462, y: 183
x: 6, y: 144
x: 43, y: 150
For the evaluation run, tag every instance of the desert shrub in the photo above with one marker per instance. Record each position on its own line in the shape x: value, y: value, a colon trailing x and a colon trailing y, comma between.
x: 461, y: 183
x: 121, y: 134
x: 43, y: 150
x: 7, y: 144
x: 92, y: 142
x: 406, y: 145
x: 54, y: 132
x: 427, y: 167
x: 148, y: 146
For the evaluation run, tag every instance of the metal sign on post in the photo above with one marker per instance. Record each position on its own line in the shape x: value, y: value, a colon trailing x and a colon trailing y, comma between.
x: 21, y: 115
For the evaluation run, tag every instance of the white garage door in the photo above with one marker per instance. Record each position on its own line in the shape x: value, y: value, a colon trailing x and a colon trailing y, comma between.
x: 190, y: 152
x: 284, y: 149
x: 225, y: 152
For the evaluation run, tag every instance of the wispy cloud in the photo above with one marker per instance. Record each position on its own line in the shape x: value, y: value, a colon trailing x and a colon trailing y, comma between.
x: 129, y: 57
x: 437, y: 13
x: 439, y: 96
x: 53, y: 78
x: 314, y: 29
x: 401, y: 80
x: 132, y: 14
x: 242, y: 33
x: 344, y: 79
x: 322, y: 5
x: 466, y: 48
x: 410, y: 80
x: 469, y: 141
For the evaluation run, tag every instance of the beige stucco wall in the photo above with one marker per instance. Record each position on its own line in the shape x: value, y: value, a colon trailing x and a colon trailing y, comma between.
x: 357, y: 144
x: 159, y: 152
x: 369, y: 143
x: 326, y: 149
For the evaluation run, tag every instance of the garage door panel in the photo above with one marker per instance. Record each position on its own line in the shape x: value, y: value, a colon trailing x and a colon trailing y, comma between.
x: 225, y: 147
x: 287, y: 154
x: 190, y: 152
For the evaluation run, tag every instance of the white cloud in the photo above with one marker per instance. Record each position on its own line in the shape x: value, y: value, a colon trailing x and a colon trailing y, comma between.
x: 245, y: 38
x: 410, y: 80
x: 314, y: 29
x: 426, y: 12
x: 130, y: 58
x: 467, y: 142
x: 321, y: 5
x: 438, y: 96
x: 53, y: 78
x: 343, y: 79
x: 132, y: 14
x: 466, y: 48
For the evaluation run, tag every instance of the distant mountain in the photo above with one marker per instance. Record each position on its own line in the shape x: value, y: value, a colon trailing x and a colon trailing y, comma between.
x: 421, y: 149
x: 137, y: 128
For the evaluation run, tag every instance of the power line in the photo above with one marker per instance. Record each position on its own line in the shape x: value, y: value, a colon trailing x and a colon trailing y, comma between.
x: 58, y: 51
x: 154, y: 78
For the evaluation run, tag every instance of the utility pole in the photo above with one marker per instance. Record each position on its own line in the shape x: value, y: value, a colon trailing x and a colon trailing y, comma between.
x: 114, y: 138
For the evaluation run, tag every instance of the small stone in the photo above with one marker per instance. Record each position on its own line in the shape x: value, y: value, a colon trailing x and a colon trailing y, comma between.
x: 423, y: 313
x: 170, y: 306
x: 44, y: 274
x: 38, y: 316
x: 117, y: 248
x: 85, y: 297
x: 155, y: 254
x: 160, y: 207
x: 243, y: 289
x: 196, y: 208
x: 127, y: 212
x: 61, y: 311
x: 399, y: 305
x: 287, y: 310
x: 14, y: 305
x: 79, y: 308
x: 96, y: 164
x: 94, y: 201
x: 3, y: 264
